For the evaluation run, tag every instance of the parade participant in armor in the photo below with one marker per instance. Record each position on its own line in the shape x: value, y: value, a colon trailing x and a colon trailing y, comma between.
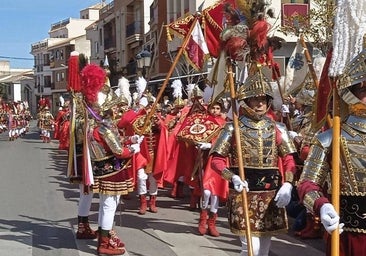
x: 62, y: 123
x: 76, y: 153
x: 270, y: 184
x: 173, y: 121
x: 352, y: 89
x: 75, y: 173
x: 3, y: 118
x: 109, y: 153
x: 149, y: 164
x: 214, y: 187
x: 182, y: 155
x: 300, y: 111
x: 27, y: 116
x: 45, y: 123
x: 12, y: 122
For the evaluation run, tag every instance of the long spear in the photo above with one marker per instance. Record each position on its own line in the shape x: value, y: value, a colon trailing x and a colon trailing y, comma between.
x: 335, y: 166
x: 240, y: 155
x: 312, y: 71
x: 309, y: 61
x: 168, y: 75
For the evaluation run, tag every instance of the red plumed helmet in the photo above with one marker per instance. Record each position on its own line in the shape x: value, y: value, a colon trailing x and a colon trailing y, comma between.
x: 92, y: 81
x: 235, y: 47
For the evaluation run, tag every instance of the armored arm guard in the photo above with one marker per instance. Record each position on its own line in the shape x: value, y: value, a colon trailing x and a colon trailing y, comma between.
x: 223, y: 145
x: 315, y: 170
x: 287, y: 146
x: 113, y: 141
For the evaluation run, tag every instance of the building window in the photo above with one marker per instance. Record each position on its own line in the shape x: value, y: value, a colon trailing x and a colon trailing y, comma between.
x: 57, y: 55
x: 46, y: 59
x: 62, y: 76
x: 47, y: 81
x: 96, y: 47
x: 58, y: 77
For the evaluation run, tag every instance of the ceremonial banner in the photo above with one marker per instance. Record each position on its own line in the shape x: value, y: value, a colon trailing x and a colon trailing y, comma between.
x: 198, y: 126
x: 323, y: 95
x: 196, y: 51
x: 296, y: 69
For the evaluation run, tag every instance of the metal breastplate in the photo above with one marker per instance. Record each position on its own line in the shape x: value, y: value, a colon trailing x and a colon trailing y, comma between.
x: 353, y: 171
x: 258, y: 144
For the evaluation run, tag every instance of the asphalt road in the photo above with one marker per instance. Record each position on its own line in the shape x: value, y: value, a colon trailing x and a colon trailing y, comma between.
x: 39, y: 209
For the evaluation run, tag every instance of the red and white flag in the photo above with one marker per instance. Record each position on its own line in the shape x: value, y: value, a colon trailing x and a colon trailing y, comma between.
x: 197, y: 51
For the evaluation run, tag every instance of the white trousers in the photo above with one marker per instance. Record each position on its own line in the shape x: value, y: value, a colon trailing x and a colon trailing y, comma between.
x: 85, y: 201
x: 212, y: 199
x: 46, y: 133
x: 142, y: 178
x: 260, y: 245
x: 107, y: 209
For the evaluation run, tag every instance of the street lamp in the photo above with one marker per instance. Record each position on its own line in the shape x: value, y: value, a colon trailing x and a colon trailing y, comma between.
x: 143, y: 60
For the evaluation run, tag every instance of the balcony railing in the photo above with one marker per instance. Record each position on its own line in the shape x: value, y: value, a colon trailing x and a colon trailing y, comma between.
x: 134, y: 28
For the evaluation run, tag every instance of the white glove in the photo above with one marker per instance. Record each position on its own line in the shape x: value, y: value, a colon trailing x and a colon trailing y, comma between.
x: 239, y: 184
x: 285, y: 110
x: 137, y: 139
x: 135, y: 148
x: 204, y: 145
x: 293, y: 134
x: 330, y: 219
x: 283, y: 196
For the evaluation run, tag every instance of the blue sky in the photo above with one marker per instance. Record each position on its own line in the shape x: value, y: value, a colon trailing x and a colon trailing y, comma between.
x: 24, y: 22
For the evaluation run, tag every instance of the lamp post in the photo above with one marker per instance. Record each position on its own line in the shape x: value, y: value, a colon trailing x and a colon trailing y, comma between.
x: 143, y: 62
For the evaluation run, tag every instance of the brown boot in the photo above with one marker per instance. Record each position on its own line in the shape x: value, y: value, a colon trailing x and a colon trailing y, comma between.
x: 177, y: 190
x: 212, y: 225
x: 85, y: 232
x: 202, y: 225
x: 173, y: 192
x: 152, y: 204
x: 143, y: 205
x: 116, y: 239
x: 107, y: 246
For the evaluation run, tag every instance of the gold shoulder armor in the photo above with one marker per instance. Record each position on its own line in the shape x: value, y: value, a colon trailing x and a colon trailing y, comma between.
x: 316, y: 166
x: 112, y: 140
x: 287, y: 145
x: 223, y: 142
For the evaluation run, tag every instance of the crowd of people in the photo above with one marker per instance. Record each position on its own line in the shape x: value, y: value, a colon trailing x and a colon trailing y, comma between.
x: 265, y: 164
x: 15, y: 118
x: 184, y: 143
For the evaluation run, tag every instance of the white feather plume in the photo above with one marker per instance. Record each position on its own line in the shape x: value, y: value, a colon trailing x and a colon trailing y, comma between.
x: 135, y: 96
x: 141, y: 85
x: 62, y: 100
x: 190, y: 88
x: 124, y: 89
x: 177, y: 88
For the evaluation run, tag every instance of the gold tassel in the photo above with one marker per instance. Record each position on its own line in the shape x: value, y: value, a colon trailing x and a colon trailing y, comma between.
x: 168, y: 35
